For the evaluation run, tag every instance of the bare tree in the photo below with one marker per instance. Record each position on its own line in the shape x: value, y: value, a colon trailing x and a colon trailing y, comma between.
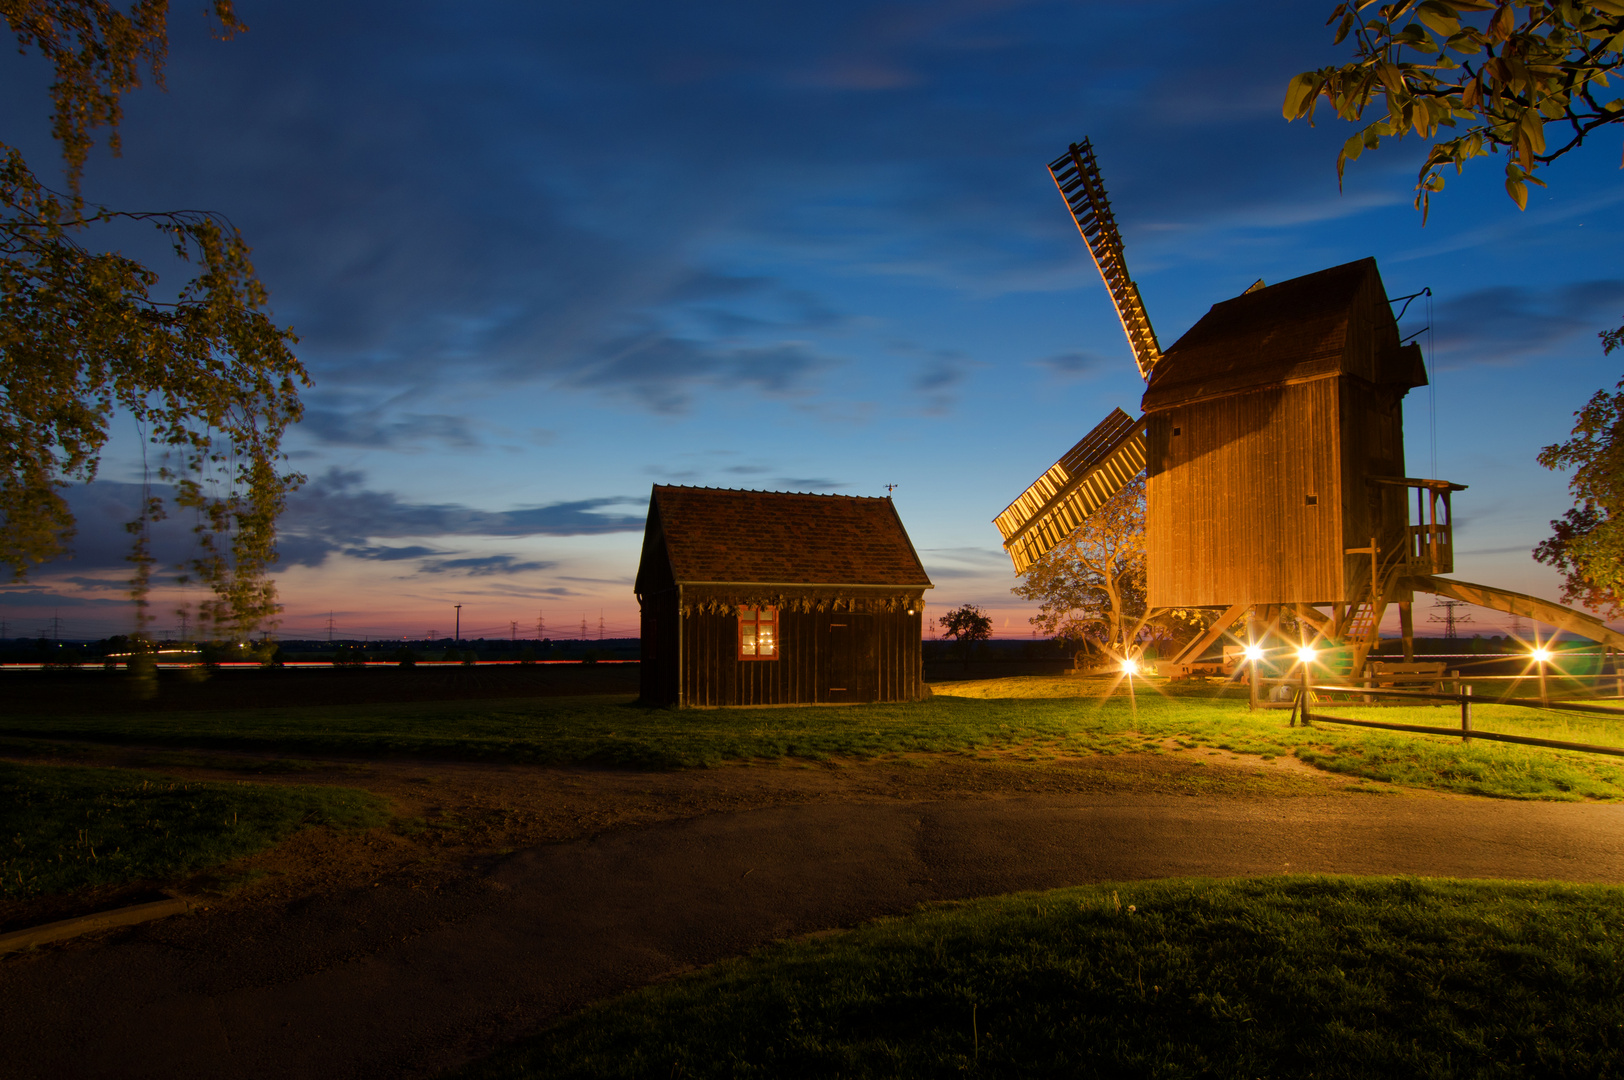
x: 1091, y: 586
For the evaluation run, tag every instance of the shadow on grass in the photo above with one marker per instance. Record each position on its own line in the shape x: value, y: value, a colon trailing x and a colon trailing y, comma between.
x: 68, y: 828
x: 1305, y: 977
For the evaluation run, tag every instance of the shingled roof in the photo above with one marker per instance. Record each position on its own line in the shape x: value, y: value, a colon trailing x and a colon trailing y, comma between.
x: 1328, y: 323
x: 774, y: 537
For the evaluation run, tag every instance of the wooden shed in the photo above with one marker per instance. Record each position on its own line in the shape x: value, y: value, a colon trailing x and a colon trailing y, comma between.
x: 775, y: 598
x: 1274, y: 446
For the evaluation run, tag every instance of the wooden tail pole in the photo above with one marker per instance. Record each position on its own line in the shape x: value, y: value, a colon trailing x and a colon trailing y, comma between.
x: 1466, y: 713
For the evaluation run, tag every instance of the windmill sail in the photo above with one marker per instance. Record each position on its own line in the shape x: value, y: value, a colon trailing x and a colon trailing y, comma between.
x: 1078, y: 177
x: 1074, y: 487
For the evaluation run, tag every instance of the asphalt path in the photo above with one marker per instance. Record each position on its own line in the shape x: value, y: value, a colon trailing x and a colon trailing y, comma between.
x: 392, y: 981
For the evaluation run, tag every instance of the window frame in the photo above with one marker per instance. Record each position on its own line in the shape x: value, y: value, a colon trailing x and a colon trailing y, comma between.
x: 757, y: 622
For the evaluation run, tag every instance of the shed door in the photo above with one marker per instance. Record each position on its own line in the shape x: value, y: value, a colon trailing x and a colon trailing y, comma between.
x: 851, y: 677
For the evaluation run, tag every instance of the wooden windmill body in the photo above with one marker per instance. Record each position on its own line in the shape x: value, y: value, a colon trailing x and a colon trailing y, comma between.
x: 1271, y: 437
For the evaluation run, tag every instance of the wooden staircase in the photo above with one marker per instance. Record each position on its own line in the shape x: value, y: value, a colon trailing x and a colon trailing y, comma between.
x: 1360, y: 626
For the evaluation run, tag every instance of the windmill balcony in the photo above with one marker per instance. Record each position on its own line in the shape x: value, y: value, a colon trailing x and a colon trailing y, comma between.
x: 1429, y: 534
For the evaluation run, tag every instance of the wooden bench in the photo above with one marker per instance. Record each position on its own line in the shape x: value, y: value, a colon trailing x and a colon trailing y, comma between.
x: 1194, y: 671
x: 1428, y: 675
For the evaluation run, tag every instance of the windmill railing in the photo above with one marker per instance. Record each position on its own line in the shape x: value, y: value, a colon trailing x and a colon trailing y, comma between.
x: 1430, y: 540
x: 1303, y: 711
x: 1430, y: 549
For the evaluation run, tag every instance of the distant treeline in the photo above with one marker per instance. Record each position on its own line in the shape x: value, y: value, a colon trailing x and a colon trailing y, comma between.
x: 113, y: 650
x: 116, y: 650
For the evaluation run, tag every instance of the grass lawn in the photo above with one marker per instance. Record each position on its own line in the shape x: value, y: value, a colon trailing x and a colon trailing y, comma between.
x: 66, y: 828
x: 1032, y: 718
x: 1286, y: 977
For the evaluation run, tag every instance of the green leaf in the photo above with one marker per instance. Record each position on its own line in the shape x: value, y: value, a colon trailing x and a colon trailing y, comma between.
x: 1300, y: 94
x: 1345, y: 26
x: 1392, y: 78
x: 1533, y: 126
x: 1438, y: 18
x: 1504, y: 21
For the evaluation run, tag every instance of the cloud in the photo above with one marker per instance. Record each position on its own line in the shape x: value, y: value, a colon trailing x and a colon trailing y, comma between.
x: 1076, y: 364
x: 1506, y: 324
x: 601, y: 179
x: 963, y: 563
x: 807, y: 483
x: 662, y: 371
x: 484, y: 566
x: 1516, y: 549
x: 937, y: 380
x: 335, y: 512
x: 391, y: 554
x: 39, y: 598
x: 410, y: 431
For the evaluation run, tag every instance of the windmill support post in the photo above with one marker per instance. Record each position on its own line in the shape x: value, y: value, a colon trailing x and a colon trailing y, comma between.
x: 1251, y: 661
x: 1204, y: 641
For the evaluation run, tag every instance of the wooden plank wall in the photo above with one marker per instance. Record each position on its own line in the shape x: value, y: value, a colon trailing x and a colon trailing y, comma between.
x: 657, y: 673
x: 1373, y: 445
x: 1227, y: 517
x: 886, y: 646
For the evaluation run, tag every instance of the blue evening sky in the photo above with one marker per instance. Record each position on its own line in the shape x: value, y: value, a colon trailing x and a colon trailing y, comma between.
x: 541, y: 256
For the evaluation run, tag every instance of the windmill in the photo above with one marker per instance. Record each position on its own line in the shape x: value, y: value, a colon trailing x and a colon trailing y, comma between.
x: 1271, y: 438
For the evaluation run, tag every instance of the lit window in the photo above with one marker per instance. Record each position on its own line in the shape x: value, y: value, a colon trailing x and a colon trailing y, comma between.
x: 758, y: 633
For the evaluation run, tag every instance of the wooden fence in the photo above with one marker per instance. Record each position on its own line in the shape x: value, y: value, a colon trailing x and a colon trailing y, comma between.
x: 1302, y: 709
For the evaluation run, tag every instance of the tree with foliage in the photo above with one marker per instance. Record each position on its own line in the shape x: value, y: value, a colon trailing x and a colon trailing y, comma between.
x: 1587, y: 543
x: 1503, y: 68
x: 1091, y: 586
x: 200, y: 370
x: 966, y: 625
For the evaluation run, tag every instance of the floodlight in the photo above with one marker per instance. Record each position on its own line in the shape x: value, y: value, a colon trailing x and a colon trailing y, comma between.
x: 1307, y: 655
x: 1130, y: 667
x: 1541, y: 655
x: 1253, y: 653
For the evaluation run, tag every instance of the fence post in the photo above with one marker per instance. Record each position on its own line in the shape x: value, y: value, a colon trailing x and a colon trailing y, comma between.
x: 1466, y: 713
x: 1304, y: 694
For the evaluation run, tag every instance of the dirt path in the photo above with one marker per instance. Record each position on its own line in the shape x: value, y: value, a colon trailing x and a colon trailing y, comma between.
x: 453, y: 817
x: 415, y: 971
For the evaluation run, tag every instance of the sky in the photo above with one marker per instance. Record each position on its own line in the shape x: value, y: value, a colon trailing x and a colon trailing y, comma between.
x: 542, y: 256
